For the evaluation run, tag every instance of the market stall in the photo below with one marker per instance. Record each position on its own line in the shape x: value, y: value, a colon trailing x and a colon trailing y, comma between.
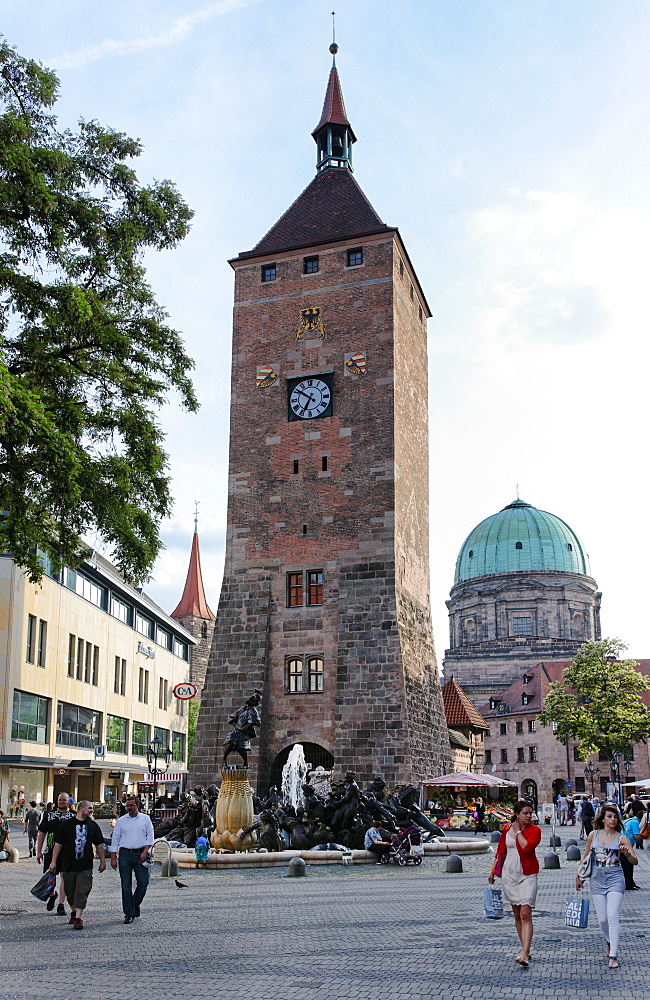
x: 451, y: 799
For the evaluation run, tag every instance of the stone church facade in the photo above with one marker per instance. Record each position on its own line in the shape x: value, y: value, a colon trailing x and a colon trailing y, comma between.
x: 325, y: 602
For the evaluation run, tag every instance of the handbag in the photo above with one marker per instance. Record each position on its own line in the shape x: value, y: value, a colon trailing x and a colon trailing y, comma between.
x: 584, y: 868
x: 492, y: 903
x: 44, y: 887
x: 576, y: 913
x: 417, y: 850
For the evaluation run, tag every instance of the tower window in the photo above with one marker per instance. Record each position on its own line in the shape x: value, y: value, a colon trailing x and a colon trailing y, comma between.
x: 295, y: 466
x: 304, y: 529
x: 204, y: 630
x: 324, y: 463
x: 310, y: 265
x: 518, y: 545
x: 268, y: 272
x: 315, y: 672
x: 355, y: 257
x: 294, y: 590
x: 294, y: 675
x: 315, y: 587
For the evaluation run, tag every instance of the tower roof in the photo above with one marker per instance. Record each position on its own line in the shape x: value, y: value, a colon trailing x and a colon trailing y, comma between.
x: 332, y: 207
x: 521, y: 538
x: 193, y: 603
x: 459, y: 710
x: 334, y: 112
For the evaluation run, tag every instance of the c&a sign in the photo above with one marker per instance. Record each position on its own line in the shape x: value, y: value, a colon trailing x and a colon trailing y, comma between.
x: 185, y: 691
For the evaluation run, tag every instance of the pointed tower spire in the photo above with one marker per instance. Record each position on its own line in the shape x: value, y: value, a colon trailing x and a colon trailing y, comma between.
x: 193, y: 603
x: 333, y: 135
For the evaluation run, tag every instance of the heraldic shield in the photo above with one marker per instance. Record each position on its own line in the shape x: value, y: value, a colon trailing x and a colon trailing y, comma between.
x: 310, y: 322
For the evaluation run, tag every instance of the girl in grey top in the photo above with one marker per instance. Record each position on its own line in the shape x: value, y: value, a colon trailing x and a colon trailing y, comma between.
x: 605, y: 844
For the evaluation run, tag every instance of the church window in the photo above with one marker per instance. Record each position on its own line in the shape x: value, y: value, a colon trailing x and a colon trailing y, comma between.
x: 471, y: 553
x: 310, y: 265
x: 204, y: 630
x: 315, y: 671
x: 268, y: 272
x: 504, y: 756
x: 315, y: 587
x: 518, y: 545
x: 355, y: 257
x: 294, y: 675
x: 569, y: 546
x: 522, y: 626
x: 294, y: 590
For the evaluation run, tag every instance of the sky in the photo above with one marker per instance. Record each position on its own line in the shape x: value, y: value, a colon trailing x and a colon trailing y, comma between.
x: 507, y: 140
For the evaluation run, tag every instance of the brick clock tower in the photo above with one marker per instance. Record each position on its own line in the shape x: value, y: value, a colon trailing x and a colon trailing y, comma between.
x: 325, y: 602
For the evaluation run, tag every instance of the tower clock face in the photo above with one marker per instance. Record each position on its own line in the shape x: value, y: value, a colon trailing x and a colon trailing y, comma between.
x: 310, y: 397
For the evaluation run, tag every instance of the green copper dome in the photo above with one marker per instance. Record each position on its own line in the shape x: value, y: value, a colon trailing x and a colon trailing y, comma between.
x: 521, y: 538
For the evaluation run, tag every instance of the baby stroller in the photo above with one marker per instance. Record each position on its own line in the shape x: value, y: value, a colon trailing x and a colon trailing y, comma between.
x: 407, y: 848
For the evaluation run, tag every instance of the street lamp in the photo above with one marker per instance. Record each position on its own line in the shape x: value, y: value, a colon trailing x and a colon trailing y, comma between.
x: 590, y: 774
x: 615, y: 764
x: 154, y: 751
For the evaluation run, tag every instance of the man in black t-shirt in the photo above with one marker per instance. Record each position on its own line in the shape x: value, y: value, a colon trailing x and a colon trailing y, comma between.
x: 49, y: 827
x: 74, y: 855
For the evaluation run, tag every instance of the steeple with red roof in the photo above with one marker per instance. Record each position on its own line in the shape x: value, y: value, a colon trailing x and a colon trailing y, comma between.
x: 193, y: 603
x: 333, y: 134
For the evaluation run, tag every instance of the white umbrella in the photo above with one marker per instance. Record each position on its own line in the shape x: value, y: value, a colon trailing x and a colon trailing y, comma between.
x: 463, y: 779
x: 645, y: 784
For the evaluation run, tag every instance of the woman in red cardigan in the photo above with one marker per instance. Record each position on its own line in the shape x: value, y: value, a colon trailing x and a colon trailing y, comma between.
x: 517, y: 866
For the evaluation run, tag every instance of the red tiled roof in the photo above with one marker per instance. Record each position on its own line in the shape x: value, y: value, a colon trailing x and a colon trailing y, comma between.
x: 459, y: 710
x: 332, y: 207
x: 333, y: 106
x: 193, y: 602
x: 542, y: 675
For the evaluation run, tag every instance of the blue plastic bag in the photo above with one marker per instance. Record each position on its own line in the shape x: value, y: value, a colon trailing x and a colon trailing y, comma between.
x: 493, y: 903
x: 44, y: 887
x: 576, y: 913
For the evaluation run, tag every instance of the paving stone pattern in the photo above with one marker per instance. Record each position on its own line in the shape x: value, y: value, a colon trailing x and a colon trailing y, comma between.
x: 341, y: 933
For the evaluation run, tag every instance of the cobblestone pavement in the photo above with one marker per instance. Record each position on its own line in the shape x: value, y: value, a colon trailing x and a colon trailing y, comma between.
x: 355, y: 933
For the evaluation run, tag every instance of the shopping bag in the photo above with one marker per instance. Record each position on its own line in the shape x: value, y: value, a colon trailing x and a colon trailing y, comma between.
x: 576, y: 913
x: 45, y: 886
x: 493, y: 903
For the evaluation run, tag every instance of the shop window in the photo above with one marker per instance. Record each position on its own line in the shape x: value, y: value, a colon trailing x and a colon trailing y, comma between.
x: 116, y: 734
x: 29, y: 717
x: 77, y: 726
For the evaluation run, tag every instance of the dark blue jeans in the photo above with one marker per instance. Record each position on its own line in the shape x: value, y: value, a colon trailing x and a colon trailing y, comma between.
x: 129, y: 865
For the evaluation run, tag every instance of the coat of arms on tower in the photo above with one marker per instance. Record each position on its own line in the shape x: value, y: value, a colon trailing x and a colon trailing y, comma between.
x: 267, y: 375
x: 310, y: 322
x: 355, y: 364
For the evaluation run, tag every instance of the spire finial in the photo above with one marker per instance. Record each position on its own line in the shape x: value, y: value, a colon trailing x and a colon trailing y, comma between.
x: 196, y: 516
x: 517, y: 489
x: 334, y: 47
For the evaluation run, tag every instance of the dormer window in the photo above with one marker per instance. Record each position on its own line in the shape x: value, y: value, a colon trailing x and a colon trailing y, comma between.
x: 493, y: 704
x: 525, y: 698
x: 527, y: 678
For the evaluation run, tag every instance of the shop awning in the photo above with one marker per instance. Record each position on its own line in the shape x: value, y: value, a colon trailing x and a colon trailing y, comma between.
x: 463, y: 779
x: 645, y: 784
x: 162, y: 778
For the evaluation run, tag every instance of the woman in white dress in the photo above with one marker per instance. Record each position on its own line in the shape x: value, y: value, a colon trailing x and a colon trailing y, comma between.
x: 517, y: 865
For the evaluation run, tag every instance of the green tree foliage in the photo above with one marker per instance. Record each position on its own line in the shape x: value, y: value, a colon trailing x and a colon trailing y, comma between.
x: 598, y: 702
x: 192, y: 719
x: 86, y: 356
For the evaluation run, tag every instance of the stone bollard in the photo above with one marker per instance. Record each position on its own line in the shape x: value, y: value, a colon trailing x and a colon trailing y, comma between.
x: 571, y: 842
x: 169, y: 868
x: 297, y: 867
x: 555, y: 841
x: 454, y: 863
x: 13, y: 855
x: 573, y: 853
x: 551, y: 860
x: 495, y: 837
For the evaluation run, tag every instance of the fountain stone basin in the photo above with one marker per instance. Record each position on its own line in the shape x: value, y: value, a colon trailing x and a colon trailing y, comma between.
x: 276, y: 859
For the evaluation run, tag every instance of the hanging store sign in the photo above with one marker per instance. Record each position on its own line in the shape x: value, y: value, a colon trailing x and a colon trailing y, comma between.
x: 185, y: 691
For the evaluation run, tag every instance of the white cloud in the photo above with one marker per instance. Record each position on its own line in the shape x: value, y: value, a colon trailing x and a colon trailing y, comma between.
x: 176, y: 32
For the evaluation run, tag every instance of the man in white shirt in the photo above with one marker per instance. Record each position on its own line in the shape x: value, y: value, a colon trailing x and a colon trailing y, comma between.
x: 132, y: 837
